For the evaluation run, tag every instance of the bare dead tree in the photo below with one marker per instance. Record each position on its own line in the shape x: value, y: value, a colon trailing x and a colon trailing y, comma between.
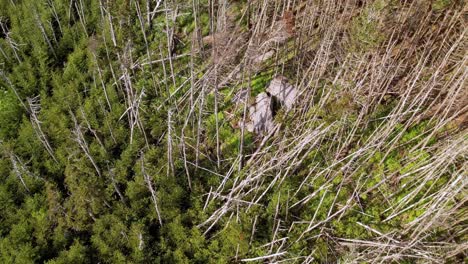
x: 369, y: 78
x: 80, y: 139
x: 34, y: 106
x: 102, y: 82
x: 106, y: 13
x: 133, y: 100
x: 114, y: 184
x: 19, y: 166
x: 81, y: 15
x: 170, y: 167
x: 11, y: 42
x: 17, y: 171
x: 150, y: 187
x: 40, y: 25
x: 93, y: 131
x: 143, y: 31
x: 170, y: 37
x: 152, y: 14
x: 55, y: 14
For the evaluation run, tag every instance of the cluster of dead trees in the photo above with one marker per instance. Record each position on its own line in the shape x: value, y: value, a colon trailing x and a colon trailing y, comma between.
x: 333, y: 67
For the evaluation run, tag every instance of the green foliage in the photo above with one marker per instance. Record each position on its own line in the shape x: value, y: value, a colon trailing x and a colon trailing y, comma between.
x: 440, y: 5
x: 77, y: 253
x: 103, y: 176
x: 365, y: 31
x: 259, y: 82
x: 10, y: 114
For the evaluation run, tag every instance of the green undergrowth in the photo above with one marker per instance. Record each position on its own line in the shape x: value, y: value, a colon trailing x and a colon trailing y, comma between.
x: 127, y: 148
x: 366, y: 29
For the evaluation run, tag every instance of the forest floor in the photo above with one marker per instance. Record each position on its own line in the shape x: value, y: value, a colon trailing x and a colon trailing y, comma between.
x: 202, y: 131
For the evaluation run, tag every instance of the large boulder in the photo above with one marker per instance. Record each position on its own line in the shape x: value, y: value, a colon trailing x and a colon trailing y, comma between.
x: 262, y: 111
x: 284, y: 92
x: 261, y: 115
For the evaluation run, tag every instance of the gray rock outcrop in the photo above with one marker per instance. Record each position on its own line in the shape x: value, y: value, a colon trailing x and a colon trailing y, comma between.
x: 284, y: 92
x: 261, y: 113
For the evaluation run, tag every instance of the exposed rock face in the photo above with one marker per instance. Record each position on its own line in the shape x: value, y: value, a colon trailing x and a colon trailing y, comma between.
x: 284, y: 92
x: 261, y: 115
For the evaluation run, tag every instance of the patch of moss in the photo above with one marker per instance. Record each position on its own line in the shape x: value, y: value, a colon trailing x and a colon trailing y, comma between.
x: 365, y: 32
x: 259, y: 82
x: 439, y: 5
